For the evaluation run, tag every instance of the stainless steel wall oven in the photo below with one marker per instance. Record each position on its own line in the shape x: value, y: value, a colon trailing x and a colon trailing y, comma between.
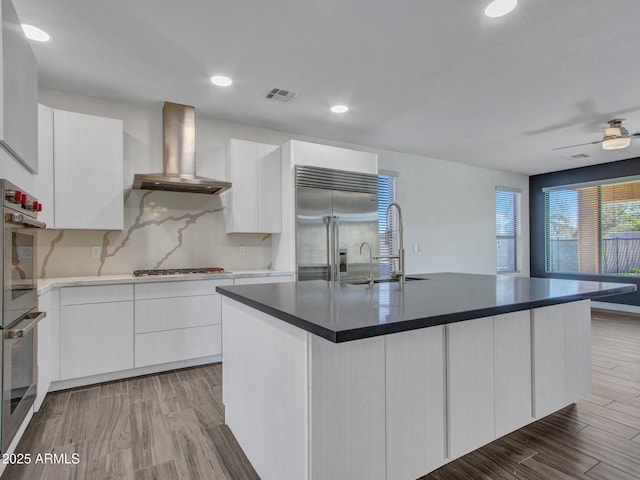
x: 18, y: 348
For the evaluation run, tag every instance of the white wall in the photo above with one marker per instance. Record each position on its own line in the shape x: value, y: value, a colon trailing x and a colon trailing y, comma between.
x: 449, y: 210
x: 448, y: 207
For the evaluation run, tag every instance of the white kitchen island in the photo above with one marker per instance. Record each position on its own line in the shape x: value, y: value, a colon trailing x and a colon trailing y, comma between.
x: 334, y: 381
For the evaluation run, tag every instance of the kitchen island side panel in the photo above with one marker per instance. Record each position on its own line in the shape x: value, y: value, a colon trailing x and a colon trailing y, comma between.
x: 265, y: 390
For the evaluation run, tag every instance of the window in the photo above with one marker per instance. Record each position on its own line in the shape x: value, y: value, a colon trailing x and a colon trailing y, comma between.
x: 386, y: 196
x: 593, y: 228
x: 507, y: 229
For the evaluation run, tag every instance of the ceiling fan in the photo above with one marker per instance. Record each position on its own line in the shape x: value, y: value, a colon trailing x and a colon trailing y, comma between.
x: 615, y: 137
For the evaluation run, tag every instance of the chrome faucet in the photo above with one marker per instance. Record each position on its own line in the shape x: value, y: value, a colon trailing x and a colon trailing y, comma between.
x: 400, y: 273
x: 369, y: 278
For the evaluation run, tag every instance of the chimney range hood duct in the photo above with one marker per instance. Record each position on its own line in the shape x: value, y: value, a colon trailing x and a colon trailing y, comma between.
x: 179, y: 156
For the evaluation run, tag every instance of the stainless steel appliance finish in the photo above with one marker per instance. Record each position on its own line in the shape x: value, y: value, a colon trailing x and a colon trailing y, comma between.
x: 179, y: 156
x: 19, y: 308
x: 178, y: 271
x: 336, y: 211
x: 19, y: 222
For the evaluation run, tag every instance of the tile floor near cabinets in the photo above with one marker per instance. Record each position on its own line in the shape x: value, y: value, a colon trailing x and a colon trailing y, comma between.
x: 166, y: 426
x: 170, y: 426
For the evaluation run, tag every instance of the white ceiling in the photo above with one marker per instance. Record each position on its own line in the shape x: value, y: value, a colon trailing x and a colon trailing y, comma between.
x: 431, y: 77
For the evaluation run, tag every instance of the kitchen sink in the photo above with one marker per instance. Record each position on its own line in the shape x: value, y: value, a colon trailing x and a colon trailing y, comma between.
x: 384, y: 280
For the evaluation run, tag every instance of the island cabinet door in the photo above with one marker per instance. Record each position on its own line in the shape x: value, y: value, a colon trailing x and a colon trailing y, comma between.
x: 470, y: 385
x: 549, y: 374
x: 415, y: 402
x: 577, y: 320
x: 512, y: 363
x: 347, y: 409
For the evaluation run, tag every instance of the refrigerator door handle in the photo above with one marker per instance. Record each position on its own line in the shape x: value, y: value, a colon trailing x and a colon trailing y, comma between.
x: 336, y: 250
x: 330, y: 249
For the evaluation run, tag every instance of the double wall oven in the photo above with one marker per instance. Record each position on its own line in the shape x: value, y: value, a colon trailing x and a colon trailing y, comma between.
x: 20, y: 314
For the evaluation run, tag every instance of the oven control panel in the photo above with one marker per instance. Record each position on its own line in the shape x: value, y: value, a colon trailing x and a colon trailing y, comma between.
x: 19, y: 200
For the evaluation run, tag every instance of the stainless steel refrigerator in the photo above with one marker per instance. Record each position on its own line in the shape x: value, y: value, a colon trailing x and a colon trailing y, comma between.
x: 336, y: 211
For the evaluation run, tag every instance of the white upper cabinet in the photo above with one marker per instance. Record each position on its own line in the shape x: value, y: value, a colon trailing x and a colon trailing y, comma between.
x: 327, y: 156
x: 252, y: 205
x: 88, y: 174
x: 18, y: 91
x: 43, y: 181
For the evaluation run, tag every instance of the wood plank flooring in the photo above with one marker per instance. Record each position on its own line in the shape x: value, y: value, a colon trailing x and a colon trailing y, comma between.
x: 170, y: 426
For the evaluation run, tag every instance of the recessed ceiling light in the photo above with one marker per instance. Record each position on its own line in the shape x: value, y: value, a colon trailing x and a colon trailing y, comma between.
x: 221, y: 80
x: 339, y: 109
x: 498, y: 8
x: 35, y: 33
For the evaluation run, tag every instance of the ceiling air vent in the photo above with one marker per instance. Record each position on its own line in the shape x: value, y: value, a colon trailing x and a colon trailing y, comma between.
x: 579, y: 155
x: 280, y: 94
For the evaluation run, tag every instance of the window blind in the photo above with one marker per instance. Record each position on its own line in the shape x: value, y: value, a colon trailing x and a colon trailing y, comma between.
x: 507, y: 229
x: 593, y: 229
x: 386, y: 196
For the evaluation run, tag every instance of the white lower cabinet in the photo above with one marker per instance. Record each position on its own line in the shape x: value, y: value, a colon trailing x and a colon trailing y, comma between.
x: 470, y: 369
x: 549, y: 376
x: 106, y: 329
x: 562, y: 355
x: 577, y: 320
x: 415, y: 402
x: 512, y: 365
x: 177, y: 321
x: 95, y: 338
x: 158, y: 314
x: 347, y: 424
x: 176, y: 345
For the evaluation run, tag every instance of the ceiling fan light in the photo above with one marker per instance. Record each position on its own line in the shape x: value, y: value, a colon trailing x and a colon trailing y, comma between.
x: 615, y: 142
x: 612, y: 132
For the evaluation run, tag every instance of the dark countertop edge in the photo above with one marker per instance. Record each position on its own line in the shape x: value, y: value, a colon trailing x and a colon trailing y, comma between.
x: 292, y: 319
x: 414, y: 324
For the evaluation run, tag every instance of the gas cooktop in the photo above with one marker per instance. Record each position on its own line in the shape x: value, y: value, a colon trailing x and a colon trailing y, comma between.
x: 178, y: 271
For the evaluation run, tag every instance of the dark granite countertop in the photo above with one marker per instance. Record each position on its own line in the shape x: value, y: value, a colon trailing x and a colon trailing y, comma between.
x: 342, y: 312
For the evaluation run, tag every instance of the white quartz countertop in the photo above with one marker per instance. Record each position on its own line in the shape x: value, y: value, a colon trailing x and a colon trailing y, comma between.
x: 46, y: 284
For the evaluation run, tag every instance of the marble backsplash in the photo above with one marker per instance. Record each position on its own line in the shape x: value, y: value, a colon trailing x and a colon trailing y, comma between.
x: 161, y: 230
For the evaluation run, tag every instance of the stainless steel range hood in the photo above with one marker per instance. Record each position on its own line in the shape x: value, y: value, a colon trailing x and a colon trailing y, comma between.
x: 179, y: 156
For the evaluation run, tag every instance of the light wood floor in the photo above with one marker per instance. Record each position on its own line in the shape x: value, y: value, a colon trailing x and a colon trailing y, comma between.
x: 170, y: 426
x: 166, y: 426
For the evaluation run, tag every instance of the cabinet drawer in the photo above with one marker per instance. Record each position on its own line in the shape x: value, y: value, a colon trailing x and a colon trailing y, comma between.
x: 175, y: 345
x: 186, y: 288
x: 95, y: 339
x: 96, y: 294
x: 159, y: 314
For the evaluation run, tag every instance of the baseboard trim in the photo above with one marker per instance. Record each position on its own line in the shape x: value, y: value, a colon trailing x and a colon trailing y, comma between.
x: 616, y: 308
x: 134, y: 372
